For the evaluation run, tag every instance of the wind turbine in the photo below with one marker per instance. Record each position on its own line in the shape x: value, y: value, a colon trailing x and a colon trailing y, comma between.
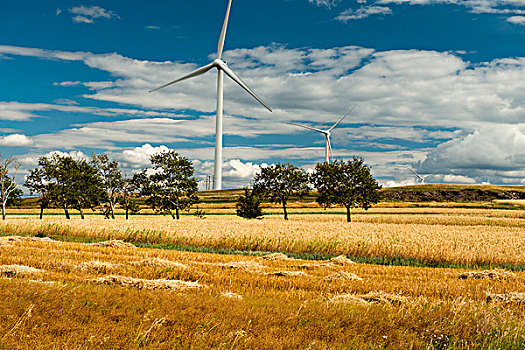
x: 420, y: 178
x: 222, y: 67
x: 326, y: 133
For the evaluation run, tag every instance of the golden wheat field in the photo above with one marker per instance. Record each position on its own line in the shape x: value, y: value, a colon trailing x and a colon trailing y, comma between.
x: 75, y: 290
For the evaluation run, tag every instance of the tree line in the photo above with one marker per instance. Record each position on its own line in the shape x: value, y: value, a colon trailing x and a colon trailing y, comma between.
x: 169, y: 186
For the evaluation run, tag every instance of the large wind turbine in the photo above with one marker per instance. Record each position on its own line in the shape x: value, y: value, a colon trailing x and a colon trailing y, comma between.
x: 326, y: 133
x: 222, y: 68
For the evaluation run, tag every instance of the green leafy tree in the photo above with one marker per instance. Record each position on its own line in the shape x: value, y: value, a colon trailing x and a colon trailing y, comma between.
x: 9, y: 193
x: 74, y: 183
x: 111, y: 179
x: 249, y: 205
x: 346, y: 183
x: 127, y: 199
x: 280, y: 182
x: 172, y: 186
x: 37, y: 184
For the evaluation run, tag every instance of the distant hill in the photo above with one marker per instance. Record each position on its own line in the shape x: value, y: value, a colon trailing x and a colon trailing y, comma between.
x: 452, y: 193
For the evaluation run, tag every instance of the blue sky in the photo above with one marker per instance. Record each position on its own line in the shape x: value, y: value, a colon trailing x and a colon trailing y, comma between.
x: 439, y: 84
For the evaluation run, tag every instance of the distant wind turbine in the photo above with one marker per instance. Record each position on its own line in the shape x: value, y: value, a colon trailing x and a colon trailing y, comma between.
x: 326, y: 133
x: 421, y: 178
x: 222, y: 67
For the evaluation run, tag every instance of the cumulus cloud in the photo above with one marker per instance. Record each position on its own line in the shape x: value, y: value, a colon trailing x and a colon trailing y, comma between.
x: 363, y: 12
x: 139, y: 156
x: 15, y: 140
x: 88, y: 14
x: 494, y: 152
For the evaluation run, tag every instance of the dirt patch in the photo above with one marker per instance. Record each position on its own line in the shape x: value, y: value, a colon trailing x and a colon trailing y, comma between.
x: 156, y: 262
x: 518, y: 298
x: 341, y: 260
x: 342, y: 275
x: 276, y: 257
x: 113, y: 244
x: 97, y: 266
x: 146, y: 284
x: 287, y: 274
x: 488, y: 275
x: 18, y: 271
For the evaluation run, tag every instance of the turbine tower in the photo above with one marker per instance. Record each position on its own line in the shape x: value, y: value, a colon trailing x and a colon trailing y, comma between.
x: 222, y: 68
x: 326, y: 133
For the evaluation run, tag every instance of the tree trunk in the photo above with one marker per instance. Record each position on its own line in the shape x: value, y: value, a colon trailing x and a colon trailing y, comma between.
x: 3, y: 210
x: 285, y: 212
x: 172, y: 216
x: 177, y: 213
x: 112, y: 210
x: 41, y: 211
x: 127, y: 210
x: 66, y: 212
x: 81, y: 213
x: 348, y: 218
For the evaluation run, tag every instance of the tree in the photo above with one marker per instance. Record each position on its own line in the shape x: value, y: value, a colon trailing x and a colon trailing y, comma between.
x: 249, y: 205
x: 110, y: 178
x: 172, y: 186
x: 129, y: 189
x: 8, y: 188
x: 37, y: 184
x: 347, y: 183
x: 72, y: 183
x: 280, y: 182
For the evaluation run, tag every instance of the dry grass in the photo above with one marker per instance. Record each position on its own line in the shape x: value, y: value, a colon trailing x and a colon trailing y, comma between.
x: 140, y: 283
x: 18, y: 271
x: 489, y: 274
x: 451, y: 236
x: 142, y: 304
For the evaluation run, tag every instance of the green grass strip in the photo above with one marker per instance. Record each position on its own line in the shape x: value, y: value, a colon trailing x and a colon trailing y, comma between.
x: 371, y: 260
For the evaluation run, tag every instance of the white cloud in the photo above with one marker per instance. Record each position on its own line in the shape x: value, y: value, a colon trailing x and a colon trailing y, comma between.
x: 517, y: 20
x: 139, y: 156
x: 88, y: 14
x: 327, y: 3
x: 25, y: 111
x: 363, y: 12
x: 475, y: 6
x: 491, y: 152
x: 15, y: 140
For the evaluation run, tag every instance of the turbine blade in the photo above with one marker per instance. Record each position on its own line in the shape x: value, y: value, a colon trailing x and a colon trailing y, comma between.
x: 193, y: 74
x: 418, y: 176
x: 223, y: 32
x: 308, y: 127
x: 239, y: 81
x: 340, y: 120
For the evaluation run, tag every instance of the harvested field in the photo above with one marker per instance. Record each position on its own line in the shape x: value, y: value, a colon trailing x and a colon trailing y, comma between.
x: 18, y: 271
x: 488, y: 275
x: 140, y: 283
x: 280, y: 307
